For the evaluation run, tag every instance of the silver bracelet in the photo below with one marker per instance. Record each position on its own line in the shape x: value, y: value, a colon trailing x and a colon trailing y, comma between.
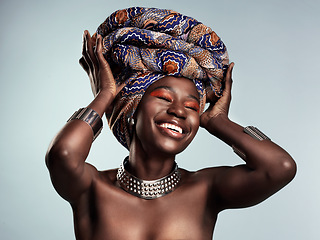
x: 90, y: 117
x: 254, y: 133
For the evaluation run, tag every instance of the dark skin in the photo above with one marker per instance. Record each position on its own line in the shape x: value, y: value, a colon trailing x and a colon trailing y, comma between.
x: 102, y: 210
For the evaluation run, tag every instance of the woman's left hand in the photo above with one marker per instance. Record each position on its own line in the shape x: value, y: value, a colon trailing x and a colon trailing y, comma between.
x: 219, y: 107
x: 97, y: 67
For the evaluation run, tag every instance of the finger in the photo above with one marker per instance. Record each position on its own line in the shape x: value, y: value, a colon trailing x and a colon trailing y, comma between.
x: 84, y: 60
x: 89, y: 48
x: 85, y: 53
x: 211, y: 97
x: 119, y: 87
x: 84, y: 43
x: 228, y: 78
x: 88, y: 52
x: 98, y: 50
x: 102, y: 62
x: 209, y: 108
x: 84, y: 64
x: 206, y: 115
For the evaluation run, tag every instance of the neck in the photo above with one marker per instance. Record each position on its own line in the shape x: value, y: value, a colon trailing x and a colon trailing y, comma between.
x: 149, y: 166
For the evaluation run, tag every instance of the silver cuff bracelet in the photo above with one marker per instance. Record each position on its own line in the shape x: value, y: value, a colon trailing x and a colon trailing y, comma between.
x: 90, y: 117
x: 254, y: 133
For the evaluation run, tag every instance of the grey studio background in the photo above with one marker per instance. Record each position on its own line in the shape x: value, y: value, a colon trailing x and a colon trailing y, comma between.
x: 275, y: 47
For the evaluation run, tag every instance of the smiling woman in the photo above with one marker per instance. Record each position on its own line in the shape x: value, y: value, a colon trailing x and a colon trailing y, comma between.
x: 155, y: 110
x: 170, y: 111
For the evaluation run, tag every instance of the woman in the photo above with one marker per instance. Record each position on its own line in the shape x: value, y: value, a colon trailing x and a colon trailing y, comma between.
x: 149, y: 197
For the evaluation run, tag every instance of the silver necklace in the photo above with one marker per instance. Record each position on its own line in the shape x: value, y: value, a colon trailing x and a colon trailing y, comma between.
x: 147, y: 189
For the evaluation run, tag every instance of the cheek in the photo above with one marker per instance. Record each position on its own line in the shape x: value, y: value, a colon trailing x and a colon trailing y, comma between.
x: 144, y: 116
x: 195, y: 120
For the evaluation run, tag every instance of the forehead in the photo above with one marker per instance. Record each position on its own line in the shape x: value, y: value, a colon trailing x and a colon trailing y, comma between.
x: 176, y: 84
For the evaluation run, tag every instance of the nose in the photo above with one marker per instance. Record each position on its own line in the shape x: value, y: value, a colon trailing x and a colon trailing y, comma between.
x: 178, y: 110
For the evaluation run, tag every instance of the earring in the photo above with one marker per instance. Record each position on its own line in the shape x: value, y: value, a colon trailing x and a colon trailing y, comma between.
x: 131, y: 121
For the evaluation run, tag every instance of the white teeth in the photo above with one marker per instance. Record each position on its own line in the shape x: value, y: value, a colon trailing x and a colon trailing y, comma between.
x: 172, y: 127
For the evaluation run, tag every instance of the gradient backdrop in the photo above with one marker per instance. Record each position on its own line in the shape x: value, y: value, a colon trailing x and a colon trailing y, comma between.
x: 275, y: 47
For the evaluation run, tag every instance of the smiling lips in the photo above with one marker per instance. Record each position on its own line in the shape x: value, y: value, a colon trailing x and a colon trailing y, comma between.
x: 172, y: 128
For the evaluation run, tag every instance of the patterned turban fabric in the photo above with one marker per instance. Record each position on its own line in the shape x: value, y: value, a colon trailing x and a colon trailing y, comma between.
x: 143, y: 45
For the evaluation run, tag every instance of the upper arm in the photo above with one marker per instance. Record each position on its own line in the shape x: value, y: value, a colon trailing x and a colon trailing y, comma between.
x: 241, y: 186
x: 70, y: 177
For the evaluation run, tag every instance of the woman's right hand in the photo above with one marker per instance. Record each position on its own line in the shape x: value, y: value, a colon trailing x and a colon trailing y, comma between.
x: 96, y: 66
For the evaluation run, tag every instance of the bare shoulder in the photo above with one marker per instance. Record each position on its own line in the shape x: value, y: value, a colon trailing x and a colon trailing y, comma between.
x: 104, y: 182
x: 207, y: 175
x: 108, y: 176
x: 205, y: 179
x: 200, y: 186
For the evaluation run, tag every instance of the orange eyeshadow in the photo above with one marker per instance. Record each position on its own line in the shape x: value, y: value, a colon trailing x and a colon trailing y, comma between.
x: 193, y: 105
x: 160, y: 93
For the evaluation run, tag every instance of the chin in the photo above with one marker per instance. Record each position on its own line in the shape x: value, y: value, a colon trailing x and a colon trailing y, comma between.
x: 172, y: 147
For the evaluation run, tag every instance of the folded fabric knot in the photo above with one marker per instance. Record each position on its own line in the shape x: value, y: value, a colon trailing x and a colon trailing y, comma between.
x: 143, y: 45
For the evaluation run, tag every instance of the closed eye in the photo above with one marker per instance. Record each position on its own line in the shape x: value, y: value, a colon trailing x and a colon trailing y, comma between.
x: 193, y: 106
x: 165, y: 98
x: 161, y: 95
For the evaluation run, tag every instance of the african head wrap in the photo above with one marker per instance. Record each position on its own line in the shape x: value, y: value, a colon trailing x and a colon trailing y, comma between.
x: 143, y: 45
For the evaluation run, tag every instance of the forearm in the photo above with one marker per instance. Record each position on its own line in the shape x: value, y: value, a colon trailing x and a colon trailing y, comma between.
x: 73, y: 142
x: 263, y: 154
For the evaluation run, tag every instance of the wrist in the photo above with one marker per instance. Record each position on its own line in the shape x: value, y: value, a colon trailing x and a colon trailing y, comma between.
x: 106, y: 95
x: 225, y: 129
x: 90, y: 117
x: 102, y: 102
x: 216, y: 124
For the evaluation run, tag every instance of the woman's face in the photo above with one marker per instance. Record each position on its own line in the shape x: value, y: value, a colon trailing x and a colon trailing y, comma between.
x: 167, y: 118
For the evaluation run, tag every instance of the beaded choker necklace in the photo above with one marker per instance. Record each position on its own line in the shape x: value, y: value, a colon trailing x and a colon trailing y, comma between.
x: 148, y: 189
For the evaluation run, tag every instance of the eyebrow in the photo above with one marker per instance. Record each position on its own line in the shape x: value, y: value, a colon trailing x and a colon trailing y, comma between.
x: 172, y: 90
